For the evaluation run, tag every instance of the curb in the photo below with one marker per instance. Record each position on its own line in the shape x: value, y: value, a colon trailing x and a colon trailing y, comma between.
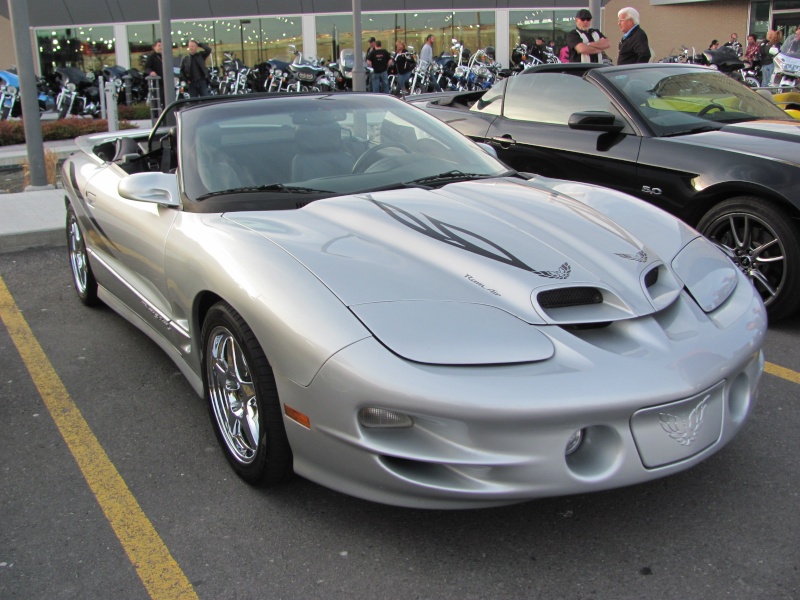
x: 45, y: 238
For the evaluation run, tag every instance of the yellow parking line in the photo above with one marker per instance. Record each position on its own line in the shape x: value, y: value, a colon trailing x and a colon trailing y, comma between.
x: 783, y: 372
x: 160, y: 574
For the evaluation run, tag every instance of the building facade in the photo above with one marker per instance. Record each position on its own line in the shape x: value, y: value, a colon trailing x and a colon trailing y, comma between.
x: 669, y: 24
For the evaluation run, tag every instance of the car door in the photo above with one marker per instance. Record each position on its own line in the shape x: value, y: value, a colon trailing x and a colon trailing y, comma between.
x: 130, y: 243
x: 532, y: 133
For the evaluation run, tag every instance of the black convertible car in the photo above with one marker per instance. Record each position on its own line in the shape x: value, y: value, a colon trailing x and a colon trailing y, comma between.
x: 686, y: 138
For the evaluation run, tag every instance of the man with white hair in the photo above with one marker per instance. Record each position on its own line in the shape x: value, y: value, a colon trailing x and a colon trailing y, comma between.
x: 634, y: 47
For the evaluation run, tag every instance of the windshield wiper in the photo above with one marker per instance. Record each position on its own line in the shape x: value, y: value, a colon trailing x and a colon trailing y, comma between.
x: 701, y: 129
x: 453, y: 176
x: 272, y: 187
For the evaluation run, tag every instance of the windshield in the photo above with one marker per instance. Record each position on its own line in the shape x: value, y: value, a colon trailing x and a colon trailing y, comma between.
x: 791, y: 47
x: 347, y: 58
x: 318, y: 146
x: 680, y: 100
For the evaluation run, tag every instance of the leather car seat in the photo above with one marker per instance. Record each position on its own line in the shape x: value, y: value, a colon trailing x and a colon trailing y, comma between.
x: 319, y: 152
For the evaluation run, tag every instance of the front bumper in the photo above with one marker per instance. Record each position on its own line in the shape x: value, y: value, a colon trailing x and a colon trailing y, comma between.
x: 497, y: 435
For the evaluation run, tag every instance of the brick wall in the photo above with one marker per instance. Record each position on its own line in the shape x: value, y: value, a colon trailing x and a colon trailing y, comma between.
x: 667, y: 27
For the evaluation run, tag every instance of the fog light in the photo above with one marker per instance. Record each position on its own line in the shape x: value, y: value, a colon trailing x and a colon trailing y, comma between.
x: 574, y: 442
x: 383, y: 418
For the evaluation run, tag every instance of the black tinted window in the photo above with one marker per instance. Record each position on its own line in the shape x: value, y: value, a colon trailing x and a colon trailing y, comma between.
x: 551, y: 98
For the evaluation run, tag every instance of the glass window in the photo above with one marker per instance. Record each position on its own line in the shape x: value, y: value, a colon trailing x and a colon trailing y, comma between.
x: 551, y: 98
x: 475, y: 29
x: 491, y: 103
x: 759, y: 19
x: 86, y: 48
x: 525, y: 26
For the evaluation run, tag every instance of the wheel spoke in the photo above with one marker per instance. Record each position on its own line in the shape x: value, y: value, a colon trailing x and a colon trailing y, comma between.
x: 761, y: 281
x: 234, y: 396
x: 742, y: 242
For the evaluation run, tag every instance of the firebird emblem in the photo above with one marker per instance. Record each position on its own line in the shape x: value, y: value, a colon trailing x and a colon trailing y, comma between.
x: 640, y: 256
x: 684, y: 431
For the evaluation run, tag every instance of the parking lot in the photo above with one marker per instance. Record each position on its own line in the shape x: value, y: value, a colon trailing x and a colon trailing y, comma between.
x: 112, y: 486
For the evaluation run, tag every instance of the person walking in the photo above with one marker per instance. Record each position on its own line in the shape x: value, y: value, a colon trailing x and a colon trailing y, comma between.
x: 154, y: 66
x: 586, y: 44
x: 404, y: 64
x: 379, y: 60
x: 426, y: 53
x: 768, y: 49
x: 634, y: 46
x: 193, y: 69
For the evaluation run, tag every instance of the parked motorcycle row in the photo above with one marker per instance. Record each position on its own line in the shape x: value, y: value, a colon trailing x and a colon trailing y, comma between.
x: 786, y: 72
x: 10, y: 104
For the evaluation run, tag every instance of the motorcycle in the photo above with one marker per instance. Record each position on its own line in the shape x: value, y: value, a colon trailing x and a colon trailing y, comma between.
x: 79, y: 93
x: 480, y: 73
x: 10, y: 105
x: 342, y: 70
x: 308, y: 75
x: 787, y: 64
x: 116, y: 75
x: 752, y: 74
x: 10, y: 102
x: 237, y: 77
x: 683, y: 56
x: 726, y: 61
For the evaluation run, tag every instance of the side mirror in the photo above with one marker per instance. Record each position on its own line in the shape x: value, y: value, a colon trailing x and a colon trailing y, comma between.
x: 488, y: 149
x: 595, y: 120
x: 158, y: 188
x: 773, y: 51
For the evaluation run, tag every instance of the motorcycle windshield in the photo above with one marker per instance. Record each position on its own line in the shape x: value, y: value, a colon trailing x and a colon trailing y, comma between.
x: 791, y: 47
x: 9, y: 78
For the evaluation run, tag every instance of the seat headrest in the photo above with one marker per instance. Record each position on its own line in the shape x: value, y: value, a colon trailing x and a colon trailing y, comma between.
x: 319, y: 139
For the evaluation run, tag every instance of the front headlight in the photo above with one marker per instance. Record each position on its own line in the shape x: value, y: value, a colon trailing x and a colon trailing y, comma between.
x: 453, y: 333
x: 708, y: 274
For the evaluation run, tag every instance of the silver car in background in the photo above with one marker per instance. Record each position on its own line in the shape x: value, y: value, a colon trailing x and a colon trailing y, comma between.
x: 368, y: 299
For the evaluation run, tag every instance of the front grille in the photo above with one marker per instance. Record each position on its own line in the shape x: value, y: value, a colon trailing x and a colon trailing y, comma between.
x: 571, y: 296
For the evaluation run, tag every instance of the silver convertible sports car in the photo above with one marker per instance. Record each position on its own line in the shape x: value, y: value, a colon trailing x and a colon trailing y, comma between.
x: 368, y: 299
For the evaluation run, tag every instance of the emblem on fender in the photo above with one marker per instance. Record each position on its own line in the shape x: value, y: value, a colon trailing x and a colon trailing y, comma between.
x: 684, y: 431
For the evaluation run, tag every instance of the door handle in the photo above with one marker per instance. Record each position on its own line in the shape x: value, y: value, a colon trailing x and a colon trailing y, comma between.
x: 504, y: 140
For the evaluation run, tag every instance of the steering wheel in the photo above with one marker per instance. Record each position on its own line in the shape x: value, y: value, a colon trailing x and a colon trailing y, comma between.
x: 706, y: 109
x: 374, y: 154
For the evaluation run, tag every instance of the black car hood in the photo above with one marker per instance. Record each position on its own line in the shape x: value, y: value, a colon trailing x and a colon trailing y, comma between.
x: 768, y: 139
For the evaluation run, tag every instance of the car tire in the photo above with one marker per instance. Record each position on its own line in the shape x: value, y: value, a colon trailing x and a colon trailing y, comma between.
x: 760, y: 238
x: 243, y: 399
x: 82, y: 275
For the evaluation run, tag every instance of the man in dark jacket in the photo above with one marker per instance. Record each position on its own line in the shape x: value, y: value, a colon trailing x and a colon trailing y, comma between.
x: 634, y: 47
x: 193, y: 69
x: 155, y: 66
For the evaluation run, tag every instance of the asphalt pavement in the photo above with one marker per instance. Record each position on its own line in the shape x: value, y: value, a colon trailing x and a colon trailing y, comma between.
x: 34, y: 218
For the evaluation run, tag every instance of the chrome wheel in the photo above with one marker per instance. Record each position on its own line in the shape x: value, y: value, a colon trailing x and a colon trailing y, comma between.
x: 77, y: 256
x: 243, y: 399
x: 758, y: 237
x: 82, y: 275
x: 233, y: 395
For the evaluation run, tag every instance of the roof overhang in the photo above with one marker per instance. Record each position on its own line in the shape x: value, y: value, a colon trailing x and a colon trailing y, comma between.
x: 67, y: 13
